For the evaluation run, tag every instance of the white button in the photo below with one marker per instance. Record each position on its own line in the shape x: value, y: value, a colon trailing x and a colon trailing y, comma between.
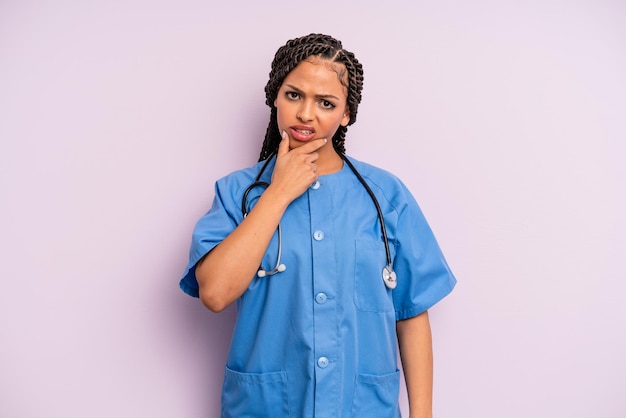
x: 321, y: 298
x: 315, y: 185
x: 318, y: 235
x: 322, y: 362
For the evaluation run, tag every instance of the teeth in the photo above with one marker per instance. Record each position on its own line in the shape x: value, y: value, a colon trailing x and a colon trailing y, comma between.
x: 305, y: 132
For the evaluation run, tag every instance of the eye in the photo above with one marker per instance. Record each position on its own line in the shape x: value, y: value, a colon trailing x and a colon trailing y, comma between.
x: 327, y: 105
x: 292, y: 95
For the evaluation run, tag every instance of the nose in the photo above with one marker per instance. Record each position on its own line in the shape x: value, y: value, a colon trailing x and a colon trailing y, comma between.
x: 306, y: 112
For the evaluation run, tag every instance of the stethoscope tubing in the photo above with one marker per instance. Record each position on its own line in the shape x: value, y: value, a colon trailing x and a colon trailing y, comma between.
x: 389, y: 276
x: 381, y: 218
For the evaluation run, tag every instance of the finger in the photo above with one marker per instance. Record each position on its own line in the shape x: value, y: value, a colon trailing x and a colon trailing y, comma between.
x: 312, y: 146
x: 312, y: 157
x: 283, y: 146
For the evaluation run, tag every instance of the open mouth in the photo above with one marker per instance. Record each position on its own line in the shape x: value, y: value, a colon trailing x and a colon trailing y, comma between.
x: 302, y: 133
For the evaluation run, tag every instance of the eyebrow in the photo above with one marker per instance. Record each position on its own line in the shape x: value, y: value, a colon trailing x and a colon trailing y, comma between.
x: 320, y: 96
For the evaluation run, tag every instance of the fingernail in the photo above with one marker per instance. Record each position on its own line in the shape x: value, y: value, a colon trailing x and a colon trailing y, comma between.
x: 284, y: 135
x: 325, y: 140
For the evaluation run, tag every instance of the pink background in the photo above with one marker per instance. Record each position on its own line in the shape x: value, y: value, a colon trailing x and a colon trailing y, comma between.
x: 505, y: 118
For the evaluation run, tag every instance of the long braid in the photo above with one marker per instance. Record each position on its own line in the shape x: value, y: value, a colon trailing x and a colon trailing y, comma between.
x: 287, y: 58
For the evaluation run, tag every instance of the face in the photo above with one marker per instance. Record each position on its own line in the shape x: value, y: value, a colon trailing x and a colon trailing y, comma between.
x: 312, y: 103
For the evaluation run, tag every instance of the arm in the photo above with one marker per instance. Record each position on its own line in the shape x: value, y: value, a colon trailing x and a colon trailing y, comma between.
x: 226, y: 272
x: 415, y: 342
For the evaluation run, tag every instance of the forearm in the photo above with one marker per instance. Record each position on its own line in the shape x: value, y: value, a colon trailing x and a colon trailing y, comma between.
x: 226, y: 272
x: 415, y: 342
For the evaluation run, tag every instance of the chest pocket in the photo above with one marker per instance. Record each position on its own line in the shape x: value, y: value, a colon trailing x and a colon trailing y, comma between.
x: 370, y: 292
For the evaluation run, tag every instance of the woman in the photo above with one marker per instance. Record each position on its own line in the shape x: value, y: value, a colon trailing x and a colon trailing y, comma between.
x: 318, y: 322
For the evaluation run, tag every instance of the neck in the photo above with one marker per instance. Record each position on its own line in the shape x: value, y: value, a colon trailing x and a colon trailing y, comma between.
x: 329, y: 161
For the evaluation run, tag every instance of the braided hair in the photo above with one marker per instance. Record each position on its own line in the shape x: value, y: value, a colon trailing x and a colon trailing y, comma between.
x: 287, y: 58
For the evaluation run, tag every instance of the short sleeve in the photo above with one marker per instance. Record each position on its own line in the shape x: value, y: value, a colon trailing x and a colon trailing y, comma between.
x: 209, y: 231
x: 423, y: 275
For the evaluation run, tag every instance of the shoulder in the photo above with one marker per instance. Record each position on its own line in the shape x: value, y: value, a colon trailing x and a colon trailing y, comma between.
x: 383, y: 182
x: 241, y: 179
x: 371, y: 171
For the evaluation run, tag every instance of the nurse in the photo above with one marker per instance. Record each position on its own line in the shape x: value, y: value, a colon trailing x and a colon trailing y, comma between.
x: 319, y: 337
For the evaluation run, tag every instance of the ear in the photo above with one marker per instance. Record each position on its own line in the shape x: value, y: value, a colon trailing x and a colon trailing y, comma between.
x: 346, y: 118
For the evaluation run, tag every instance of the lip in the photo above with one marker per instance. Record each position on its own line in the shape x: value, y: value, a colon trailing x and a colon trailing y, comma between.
x: 298, y: 135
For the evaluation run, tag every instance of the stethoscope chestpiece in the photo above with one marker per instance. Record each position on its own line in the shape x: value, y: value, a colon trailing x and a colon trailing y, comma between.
x: 389, y: 277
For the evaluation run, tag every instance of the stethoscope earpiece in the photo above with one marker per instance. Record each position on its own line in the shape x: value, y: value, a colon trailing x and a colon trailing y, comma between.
x: 262, y: 272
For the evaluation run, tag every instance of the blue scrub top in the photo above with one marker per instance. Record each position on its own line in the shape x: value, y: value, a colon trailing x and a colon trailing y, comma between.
x: 319, y: 339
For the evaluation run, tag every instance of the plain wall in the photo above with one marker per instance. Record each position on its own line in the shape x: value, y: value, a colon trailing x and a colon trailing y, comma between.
x: 504, y: 118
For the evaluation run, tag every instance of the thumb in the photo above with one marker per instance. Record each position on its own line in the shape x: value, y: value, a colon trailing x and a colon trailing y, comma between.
x: 283, y: 146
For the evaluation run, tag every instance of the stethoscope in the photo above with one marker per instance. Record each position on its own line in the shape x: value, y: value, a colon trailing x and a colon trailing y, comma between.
x: 388, y: 274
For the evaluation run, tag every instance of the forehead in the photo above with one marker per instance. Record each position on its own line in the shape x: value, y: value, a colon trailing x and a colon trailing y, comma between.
x: 319, y: 74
